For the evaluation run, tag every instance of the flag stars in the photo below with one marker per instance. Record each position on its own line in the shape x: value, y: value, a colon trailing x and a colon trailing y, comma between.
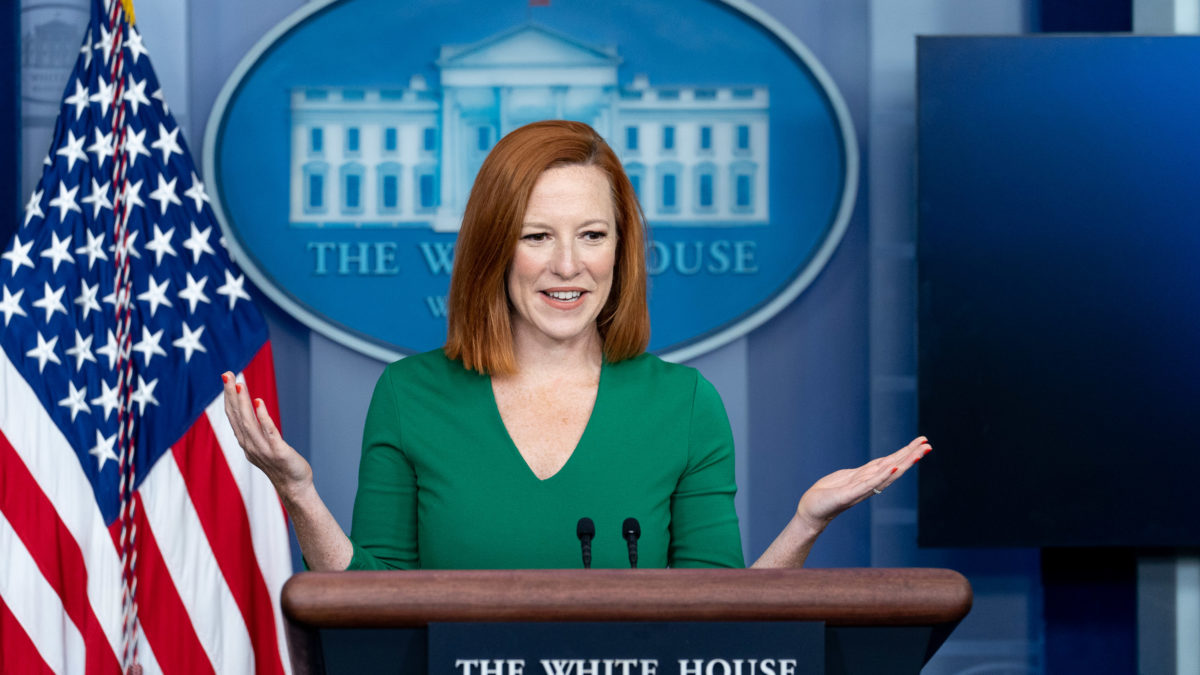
x: 11, y: 304
x: 87, y: 299
x: 196, y: 193
x: 160, y: 244
x: 104, y: 95
x: 162, y: 100
x: 144, y: 394
x: 232, y: 288
x: 94, y: 248
x: 167, y: 143
x: 107, y: 398
x: 75, y: 400
x: 105, y: 42
x: 165, y: 193
x: 73, y: 149
x: 149, y: 346
x: 135, y: 144
x: 103, y: 450
x: 133, y: 197
x: 135, y: 93
x: 64, y: 201
x: 57, y: 251
x: 51, y: 301
x: 98, y: 198
x: 194, y: 293
x: 44, y: 352
x: 82, y: 351
x: 190, y: 342
x: 156, y: 295
x: 102, y: 147
x: 109, y: 350
x: 79, y: 99
x: 18, y: 255
x: 33, y: 209
x: 86, y: 50
x: 134, y: 44
x: 198, y: 244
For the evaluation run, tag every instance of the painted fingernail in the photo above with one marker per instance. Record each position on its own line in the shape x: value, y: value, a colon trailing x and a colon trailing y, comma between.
x: 894, y: 469
x: 258, y: 402
x: 927, y: 451
x: 225, y: 378
x: 239, y: 388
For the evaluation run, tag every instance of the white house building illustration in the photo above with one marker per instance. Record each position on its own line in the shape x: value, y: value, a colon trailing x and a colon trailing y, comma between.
x: 406, y: 156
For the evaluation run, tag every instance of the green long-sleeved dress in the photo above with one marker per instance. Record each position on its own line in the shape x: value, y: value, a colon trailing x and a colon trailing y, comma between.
x: 442, y: 486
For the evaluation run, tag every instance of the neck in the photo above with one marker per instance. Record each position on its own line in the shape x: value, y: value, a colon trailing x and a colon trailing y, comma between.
x: 539, y: 356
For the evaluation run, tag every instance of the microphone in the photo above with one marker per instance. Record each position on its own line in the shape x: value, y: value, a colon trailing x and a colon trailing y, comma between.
x: 630, y: 530
x: 585, y: 530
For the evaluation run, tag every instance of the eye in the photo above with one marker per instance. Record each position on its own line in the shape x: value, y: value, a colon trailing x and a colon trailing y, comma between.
x: 534, y: 237
x: 595, y: 235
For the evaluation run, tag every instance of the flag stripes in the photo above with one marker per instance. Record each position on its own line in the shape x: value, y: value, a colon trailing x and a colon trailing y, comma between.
x: 19, y: 652
x: 193, y: 569
x: 34, y: 603
x: 164, y: 621
x: 56, y: 476
x: 63, y: 618
x: 55, y: 553
x: 226, y: 527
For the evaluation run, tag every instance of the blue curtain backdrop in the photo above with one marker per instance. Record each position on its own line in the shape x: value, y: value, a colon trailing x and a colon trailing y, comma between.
x: 10, y: 120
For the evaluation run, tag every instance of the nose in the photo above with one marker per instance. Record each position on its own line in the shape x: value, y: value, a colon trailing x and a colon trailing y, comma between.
x: 566, y: 262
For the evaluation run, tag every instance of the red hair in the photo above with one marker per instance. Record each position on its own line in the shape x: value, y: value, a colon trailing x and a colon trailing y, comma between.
x: 479, y: 330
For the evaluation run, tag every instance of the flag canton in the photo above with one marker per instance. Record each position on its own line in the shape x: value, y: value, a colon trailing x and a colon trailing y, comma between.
x: 190, y: 314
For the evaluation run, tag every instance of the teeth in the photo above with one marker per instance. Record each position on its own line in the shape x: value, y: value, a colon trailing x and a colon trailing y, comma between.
x: 565, y: 296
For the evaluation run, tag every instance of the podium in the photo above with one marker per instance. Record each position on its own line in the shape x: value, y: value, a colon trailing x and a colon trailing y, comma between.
x: 876, y: 620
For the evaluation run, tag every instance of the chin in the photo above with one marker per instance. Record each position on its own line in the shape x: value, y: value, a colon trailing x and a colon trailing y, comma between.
x: 560, y: 332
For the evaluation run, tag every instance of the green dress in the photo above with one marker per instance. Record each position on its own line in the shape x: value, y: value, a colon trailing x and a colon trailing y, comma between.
x: 442, y: 486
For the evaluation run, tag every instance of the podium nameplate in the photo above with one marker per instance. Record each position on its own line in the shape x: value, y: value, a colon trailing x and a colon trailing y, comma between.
x: 627, y: 648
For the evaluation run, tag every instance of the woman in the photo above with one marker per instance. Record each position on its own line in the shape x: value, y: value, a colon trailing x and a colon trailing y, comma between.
x: 542, y: 407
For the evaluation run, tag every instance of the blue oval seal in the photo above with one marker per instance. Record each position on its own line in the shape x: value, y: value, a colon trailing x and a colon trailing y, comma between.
x: 343, y: 148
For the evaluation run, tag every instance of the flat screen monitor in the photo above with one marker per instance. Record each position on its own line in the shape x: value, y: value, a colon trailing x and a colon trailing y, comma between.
x: 1058, y: 257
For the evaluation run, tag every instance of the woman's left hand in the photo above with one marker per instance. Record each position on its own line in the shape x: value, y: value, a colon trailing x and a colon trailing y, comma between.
x: 833, y: 494
x: 840, y: 490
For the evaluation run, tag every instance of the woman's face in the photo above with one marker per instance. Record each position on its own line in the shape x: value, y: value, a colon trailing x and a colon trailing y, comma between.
x: 562, y: 270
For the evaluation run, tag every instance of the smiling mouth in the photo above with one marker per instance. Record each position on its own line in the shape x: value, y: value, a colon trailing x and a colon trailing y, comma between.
x: 564, y: 296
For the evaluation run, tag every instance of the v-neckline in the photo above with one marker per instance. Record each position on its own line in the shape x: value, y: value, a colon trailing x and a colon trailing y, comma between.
x: 499, y: 421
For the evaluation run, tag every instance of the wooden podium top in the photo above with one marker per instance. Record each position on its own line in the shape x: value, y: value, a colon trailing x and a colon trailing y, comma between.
x: 839, y: 597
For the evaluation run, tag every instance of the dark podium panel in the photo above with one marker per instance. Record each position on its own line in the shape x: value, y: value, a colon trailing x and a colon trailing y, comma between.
x: 876, y: 620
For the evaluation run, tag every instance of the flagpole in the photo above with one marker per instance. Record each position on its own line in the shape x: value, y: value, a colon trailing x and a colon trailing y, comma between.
x: 117, y: 26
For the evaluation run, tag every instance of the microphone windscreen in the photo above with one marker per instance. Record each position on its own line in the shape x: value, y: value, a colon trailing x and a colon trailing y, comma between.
x: 631, y: 528
x: 585, y: 529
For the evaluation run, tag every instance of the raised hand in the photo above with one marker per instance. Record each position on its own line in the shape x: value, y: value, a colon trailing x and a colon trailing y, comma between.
x: 833, y: 494
x: 322, y: 541
x: 840, y: 490
x: 265, y: 448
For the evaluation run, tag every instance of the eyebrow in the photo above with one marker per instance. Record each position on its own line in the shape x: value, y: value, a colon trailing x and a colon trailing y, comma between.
x: 586, y: 223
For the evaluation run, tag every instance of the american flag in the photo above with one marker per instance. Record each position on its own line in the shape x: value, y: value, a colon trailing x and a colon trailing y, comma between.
x: 132, y: 529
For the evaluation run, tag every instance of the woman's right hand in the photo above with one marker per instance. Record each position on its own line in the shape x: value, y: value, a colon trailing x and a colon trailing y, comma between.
x: 256, y: 432
x: 321, y: 539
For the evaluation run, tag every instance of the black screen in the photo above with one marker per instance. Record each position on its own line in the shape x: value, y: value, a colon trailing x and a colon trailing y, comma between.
x: 1059, y: 290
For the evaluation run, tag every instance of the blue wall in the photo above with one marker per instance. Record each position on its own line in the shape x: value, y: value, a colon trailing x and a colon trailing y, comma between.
x: 10, y: 121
